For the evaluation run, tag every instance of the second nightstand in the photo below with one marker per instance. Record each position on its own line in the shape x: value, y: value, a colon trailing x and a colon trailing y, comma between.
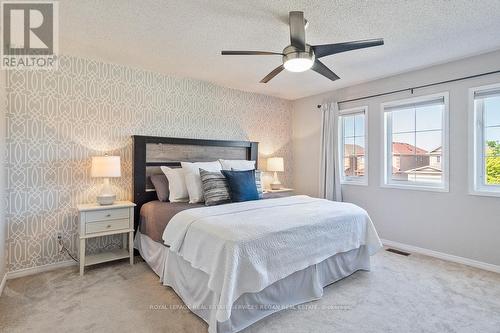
x: 282, y: 192
x: 96, y: 221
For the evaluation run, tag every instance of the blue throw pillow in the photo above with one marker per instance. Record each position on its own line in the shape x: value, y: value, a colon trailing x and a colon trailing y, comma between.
x: 241, y: 185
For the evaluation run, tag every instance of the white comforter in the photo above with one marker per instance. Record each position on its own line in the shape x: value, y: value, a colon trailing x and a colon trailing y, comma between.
x: 245, y: 247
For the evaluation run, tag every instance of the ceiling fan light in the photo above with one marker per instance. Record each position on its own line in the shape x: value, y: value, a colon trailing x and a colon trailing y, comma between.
x: 298, y: 64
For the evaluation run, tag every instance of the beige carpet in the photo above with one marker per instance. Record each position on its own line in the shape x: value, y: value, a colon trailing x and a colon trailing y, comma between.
x: 400, y: 294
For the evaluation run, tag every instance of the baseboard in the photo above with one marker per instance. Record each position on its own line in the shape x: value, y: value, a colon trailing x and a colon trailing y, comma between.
x: 443, y: 256
x: 2, y: 284
x: 39, y: 269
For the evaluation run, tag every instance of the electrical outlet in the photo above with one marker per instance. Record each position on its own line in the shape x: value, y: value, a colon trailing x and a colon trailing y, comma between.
x: 60, y: 242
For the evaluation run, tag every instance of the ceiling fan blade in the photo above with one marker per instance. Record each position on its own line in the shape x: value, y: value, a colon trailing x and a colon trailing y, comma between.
x: 275, y: 72
x: 329, y: 49
x: 297, y: 30
x: 249, y: 53
x: 320, y: 68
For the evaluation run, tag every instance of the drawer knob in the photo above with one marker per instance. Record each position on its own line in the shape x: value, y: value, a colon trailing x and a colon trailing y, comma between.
x: 108, y: 215
x: 108, y: 226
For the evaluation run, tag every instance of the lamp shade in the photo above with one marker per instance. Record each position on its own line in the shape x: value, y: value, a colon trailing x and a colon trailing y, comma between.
x: 275, y: 164
x: 105, y: 166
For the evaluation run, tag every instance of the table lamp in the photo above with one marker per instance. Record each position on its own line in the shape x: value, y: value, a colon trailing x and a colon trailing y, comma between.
x: 106, y: 167
x: 275, y: 164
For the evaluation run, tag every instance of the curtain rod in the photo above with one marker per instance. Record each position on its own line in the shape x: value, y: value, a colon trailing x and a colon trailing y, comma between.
x: 417, y: 87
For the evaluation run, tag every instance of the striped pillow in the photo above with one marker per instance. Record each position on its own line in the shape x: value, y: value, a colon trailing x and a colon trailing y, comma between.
x: 258, y: 182
x: 215, y: 188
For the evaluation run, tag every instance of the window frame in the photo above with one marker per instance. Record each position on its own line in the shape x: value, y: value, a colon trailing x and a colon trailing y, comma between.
x: 477, y: 185
x: 386, y: 159
x: 352, y: 180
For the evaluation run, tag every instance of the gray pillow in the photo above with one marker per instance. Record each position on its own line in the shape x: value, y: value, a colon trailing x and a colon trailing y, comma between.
x: 215, y: 188
x: 160, y: 182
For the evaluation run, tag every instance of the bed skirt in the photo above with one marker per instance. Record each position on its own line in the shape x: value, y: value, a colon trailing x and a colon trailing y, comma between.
x: 297, y: 288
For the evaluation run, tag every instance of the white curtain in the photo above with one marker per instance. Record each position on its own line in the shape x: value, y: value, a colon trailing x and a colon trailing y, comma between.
x: 329, y: 187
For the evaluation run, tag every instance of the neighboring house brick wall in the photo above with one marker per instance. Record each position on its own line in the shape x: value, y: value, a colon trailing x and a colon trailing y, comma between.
x: 408, y: 162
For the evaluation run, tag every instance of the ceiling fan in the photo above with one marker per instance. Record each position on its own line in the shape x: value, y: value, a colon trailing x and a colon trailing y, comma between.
x: 299, y: 56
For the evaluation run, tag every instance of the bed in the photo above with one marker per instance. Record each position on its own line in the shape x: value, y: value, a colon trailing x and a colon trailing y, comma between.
x: 237, y: 263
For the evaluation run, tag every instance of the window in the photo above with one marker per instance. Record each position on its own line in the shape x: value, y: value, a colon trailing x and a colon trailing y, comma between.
x: 416, y: 143
x: 485, y: 131
x: 353, y: 146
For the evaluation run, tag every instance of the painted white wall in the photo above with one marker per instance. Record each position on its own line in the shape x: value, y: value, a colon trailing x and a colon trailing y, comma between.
x: 454, y: 223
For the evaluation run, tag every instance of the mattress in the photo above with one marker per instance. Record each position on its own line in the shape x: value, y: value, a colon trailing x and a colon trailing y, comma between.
x: 155, y: 215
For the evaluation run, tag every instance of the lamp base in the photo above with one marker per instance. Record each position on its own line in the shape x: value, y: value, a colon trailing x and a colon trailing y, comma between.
x: 106, y: 197
x: 276, y: 184
x: 105, y: 200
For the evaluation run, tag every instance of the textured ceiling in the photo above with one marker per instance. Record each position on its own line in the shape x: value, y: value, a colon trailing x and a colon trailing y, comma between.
x: 185, y: 37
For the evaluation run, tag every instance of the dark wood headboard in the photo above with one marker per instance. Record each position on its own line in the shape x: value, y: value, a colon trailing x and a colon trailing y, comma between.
x: 151, y: 152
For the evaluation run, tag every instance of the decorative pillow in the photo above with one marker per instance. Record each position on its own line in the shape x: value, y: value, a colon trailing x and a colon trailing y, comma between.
x: 193, y: 181
x: 258, y: 182
x: 160, y: 182
x: 176, y: 184
x: 215, y: 188
x: 237, y: 164
x: 241, y: 185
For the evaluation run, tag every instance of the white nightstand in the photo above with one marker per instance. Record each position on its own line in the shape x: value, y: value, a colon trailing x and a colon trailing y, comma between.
x: 282, y: 192
x: 97, y: 220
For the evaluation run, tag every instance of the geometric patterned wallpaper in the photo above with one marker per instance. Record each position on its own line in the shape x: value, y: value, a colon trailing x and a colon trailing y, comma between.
x: 58, y: 119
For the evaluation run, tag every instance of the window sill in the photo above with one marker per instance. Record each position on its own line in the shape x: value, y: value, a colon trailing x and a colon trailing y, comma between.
x: 346, y: 182
x: 416, y: 187
x: 485, y: 193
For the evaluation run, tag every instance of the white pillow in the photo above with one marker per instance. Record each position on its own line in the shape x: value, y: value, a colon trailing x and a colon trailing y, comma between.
x: 242, y: 165
x: 176, y: 184
x: 193, y: 180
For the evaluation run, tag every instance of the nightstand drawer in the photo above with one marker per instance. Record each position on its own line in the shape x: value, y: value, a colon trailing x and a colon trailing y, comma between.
x: 108, y: 225
x: 108, y: 214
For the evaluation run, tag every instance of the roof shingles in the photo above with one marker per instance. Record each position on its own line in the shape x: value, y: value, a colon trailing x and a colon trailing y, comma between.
x: 403, y: 148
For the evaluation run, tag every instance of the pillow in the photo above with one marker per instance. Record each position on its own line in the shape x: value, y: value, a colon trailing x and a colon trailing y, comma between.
x: 241, y: 185
x: 215, y: 188
x: 160, y: 182
x: 258, y: 182
x: 176, y: 184
x: 237, y: 164
x: 193, y: 181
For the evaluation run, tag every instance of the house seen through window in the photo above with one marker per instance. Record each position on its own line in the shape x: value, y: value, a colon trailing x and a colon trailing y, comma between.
x: 352, y: 150
x: 415, y: 142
